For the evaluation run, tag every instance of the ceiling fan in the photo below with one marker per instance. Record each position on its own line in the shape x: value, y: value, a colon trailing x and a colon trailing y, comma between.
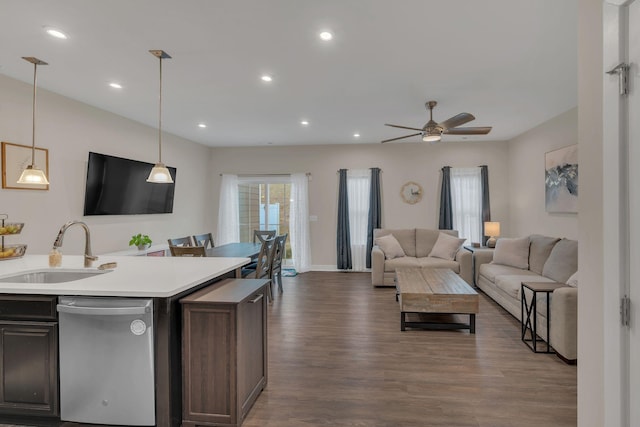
x: 432, y: 131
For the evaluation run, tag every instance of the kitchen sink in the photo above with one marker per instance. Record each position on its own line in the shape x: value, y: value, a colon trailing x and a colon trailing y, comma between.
x: 51, y: 275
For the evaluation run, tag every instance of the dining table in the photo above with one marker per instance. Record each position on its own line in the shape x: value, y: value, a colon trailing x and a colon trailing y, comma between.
x: 236, y: 250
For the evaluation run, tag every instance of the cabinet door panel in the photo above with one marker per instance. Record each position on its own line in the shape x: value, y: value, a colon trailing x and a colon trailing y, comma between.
x: 209, y: 358
x: 28, y: 363
x: 251, y: 351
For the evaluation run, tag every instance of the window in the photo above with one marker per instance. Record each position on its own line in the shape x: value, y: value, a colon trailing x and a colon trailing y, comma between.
x: 466, y: 202
x: 358, y: 188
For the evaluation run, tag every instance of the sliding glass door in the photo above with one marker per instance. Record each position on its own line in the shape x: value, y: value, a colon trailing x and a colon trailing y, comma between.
x: 264, y: 204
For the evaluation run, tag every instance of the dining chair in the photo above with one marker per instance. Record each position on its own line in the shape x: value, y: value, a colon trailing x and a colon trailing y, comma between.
x: 192, y: 251
x: 263, y: 265
x: 276, y: 264
x: 180, y: 241
x: 261, y: 235
x: 205, y: 240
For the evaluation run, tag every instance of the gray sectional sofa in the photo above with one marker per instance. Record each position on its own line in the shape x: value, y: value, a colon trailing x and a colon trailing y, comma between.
x: 417, y: 244
x: 535, y: 258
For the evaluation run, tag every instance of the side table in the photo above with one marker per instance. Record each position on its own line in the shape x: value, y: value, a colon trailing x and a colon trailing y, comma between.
x: 530, y: 308
x: 473, y: 251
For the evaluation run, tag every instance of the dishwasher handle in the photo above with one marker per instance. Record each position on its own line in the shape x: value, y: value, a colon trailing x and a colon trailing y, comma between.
x: 102, y: 311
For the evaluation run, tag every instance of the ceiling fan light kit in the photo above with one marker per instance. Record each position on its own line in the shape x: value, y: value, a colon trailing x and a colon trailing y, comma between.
x: 431, y: 137
x: 432, y: 131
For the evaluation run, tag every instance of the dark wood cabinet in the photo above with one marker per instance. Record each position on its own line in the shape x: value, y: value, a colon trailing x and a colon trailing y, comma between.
x: 28, y: 355
x: 224, y: 352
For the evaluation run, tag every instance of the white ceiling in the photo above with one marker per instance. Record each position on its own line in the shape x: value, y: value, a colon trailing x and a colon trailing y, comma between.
x: 511, y: 63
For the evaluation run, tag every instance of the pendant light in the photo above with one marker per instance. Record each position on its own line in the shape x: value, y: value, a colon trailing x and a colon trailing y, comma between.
x: 160, y: 174
x: 31, y: 174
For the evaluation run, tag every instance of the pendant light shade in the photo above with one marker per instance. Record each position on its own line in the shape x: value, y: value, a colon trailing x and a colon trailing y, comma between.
x: 31, y: 174
x: 159, y: 173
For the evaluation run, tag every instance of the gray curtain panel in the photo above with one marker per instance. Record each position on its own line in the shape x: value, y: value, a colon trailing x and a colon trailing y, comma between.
x: 446, y: 208
x: 375, y: 211
x: 344, y: 240
x: 486, y: 205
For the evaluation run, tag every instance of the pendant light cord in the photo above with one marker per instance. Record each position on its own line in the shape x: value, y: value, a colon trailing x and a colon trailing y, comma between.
x: 33, y: 133
x: 160, y: 117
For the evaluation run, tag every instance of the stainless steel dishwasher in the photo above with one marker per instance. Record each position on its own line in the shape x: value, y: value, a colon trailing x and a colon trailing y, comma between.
x: 106, y: 360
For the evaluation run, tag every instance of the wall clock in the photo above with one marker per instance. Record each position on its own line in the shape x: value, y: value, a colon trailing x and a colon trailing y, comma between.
x: 411, y: 192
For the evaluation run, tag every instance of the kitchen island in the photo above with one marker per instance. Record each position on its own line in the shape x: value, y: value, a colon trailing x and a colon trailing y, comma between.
x: 164, y: 279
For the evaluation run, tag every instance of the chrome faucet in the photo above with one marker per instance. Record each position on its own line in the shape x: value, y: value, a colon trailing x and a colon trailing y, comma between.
x: 88, y: 256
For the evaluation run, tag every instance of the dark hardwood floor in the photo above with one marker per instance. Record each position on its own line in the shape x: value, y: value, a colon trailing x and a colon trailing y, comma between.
x: 337, y: 357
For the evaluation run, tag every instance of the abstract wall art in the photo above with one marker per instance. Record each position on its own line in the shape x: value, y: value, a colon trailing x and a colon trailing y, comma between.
x: 561, y: 180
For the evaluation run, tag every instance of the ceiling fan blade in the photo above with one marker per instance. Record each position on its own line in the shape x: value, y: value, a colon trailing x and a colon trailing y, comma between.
x: 401, y: 137
x: 457, y: 120
x: 468, y: 131
x: 402, y: 127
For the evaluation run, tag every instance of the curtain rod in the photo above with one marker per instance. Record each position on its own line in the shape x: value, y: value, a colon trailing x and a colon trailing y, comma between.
x: 338, y: 171
x: 252, y: 175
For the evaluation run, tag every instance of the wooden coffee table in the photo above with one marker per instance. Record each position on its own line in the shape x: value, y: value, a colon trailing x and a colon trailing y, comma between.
x: 435, y: 291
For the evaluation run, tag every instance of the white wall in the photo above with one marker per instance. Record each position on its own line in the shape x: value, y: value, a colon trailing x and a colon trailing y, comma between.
x: 591, y: 394
x: 400, y: 162
x: 527, y: 213
x: 70, y: 129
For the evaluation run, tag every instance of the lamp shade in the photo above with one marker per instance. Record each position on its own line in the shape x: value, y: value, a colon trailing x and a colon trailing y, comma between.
x: 33, y: 175
x: 160, y: 174
x: 492, y: 228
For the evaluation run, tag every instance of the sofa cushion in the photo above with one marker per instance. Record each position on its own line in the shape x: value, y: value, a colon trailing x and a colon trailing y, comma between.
x: 406, y: 238
x: 491, y: 271
x: 512, y: 285
x: 539, y: 251
x: 512, y: 252
x: 431, y: 262
x: 405, y: 261
x: 390, y: 246
x: 425, y: 239
x: 446, y: 247
x: 562, y: 261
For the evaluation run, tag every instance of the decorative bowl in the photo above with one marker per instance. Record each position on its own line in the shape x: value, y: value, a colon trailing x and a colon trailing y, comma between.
x: 11, y: 228
x: 12, y: 251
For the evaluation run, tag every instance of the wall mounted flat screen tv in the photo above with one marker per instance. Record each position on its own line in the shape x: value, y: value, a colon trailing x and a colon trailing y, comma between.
x: 117, y: 186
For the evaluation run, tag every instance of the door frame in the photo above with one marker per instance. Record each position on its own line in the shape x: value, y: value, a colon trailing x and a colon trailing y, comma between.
x: 615, y: 218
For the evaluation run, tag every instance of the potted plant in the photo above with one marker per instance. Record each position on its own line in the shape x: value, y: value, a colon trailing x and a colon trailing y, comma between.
x: 142, y: 241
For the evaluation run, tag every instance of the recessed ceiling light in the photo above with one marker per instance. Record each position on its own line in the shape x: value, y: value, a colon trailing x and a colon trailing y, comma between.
x: 266, y: 78
x: 356, y: 135
x: 115, y: 85
x: 304, y: 123
x: 326, y: 35
x: 54, y: 32
x: 202, y: 125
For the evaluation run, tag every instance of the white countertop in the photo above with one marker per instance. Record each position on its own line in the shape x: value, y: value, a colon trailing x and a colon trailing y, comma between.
x: 133, y: 277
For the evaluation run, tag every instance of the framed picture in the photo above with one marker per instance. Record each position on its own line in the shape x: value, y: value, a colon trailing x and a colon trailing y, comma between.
x: 561, y: 180
x: 15, y: 158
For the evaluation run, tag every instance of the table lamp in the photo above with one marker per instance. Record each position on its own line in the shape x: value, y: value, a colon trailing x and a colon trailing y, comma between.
x: 492, y: 229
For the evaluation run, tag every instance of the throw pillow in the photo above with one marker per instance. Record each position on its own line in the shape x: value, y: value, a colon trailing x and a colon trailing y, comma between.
x: 573, y: 280
x: 562, y: 261
x: 539, y: 251
x: 512, y: 252
x: 390, y: 246
x: 446, y: 247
